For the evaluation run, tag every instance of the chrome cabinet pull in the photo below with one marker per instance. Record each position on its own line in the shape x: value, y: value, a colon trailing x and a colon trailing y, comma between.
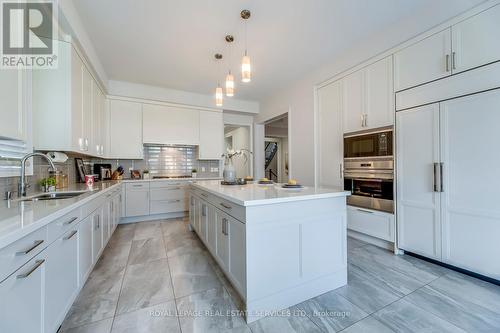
x: 223, y: 226
x: 225, y: 206
x: 204, y: 195
x: 70, y: 235
x: 73, y: 219
x: 435, y: 180
x: 447, y: 60
x: 341, y: 173
x: 453, y: 62
x: 364, y: 211
x: 28, y: 250
x: 173, y: 189
x: 38, y: 263
x: 203, y: 212
x: 441, y: 167
x: 362, y: 120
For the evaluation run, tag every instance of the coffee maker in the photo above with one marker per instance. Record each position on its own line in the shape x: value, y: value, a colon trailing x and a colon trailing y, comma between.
x: 103, y: 171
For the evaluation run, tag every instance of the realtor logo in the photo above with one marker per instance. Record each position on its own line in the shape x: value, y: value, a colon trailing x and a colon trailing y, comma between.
x: 27, y: 34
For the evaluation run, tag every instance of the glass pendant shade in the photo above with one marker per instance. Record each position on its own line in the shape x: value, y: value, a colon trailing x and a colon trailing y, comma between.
x: 229, y: 84
x: 218, y: 96
x: 246, y: 71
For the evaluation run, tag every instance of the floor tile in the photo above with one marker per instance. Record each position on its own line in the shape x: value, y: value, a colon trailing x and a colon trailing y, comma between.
x: 146, y: 250
x: 353, y: 243
x: 462, y: 303
x: 145, y: 230
x: 402, y: 316
x: 367, y: 291
x: 285, y: 323
x: 145, y: 285
x: 192, y: 273
x: 175, y: 227
x: 332, y: 312
x: 177, y: 246
x: 86, y: 310
x: 160, y: 318
x: 368, y: 325
x: 210, y: 311
x: 102, y: 326
x: 123, y: 234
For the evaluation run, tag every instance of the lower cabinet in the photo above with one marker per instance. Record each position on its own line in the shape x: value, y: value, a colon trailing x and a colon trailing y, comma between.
x: 96, y: 234
x: 137, y: 201
x: 237, y: 251
x: 61, y: 279
x: 22, y: 298
x: 203, y: 220
x: 370, y: 222
x: 222, y: 249
x: 211, y: 241
x: 85, y: 259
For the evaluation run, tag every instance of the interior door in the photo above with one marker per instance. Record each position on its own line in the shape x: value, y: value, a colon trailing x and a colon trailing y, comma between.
x: 418, y: 205
x: 475, y: 40
x: 470, y: 199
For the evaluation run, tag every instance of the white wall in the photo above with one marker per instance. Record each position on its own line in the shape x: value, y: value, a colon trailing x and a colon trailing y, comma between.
x: 298, y: 97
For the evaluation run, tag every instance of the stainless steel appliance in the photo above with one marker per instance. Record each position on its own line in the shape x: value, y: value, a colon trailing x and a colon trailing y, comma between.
x: 369, y: 170
x: 103, y: 171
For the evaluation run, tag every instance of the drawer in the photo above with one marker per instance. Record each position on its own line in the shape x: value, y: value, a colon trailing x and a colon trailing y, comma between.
x: 167, y: 206
x: 166, y: 184
x: 63, y: 224
x: 137, y: 186
x: 20, y: 252
x: 168, y: 193
x: 236, y: 211
x: 373, y: 223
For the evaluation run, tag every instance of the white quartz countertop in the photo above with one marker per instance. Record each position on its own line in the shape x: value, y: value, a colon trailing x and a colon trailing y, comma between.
x: 254, y: 194
x: 20, y: 218
x: 191, y: 179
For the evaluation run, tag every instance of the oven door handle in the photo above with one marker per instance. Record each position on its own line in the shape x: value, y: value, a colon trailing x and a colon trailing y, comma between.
x: 377, y: 180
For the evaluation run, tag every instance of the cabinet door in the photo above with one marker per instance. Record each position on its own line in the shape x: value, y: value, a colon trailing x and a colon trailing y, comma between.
x: 379, y: 94
x: 237, y: 252
x: 87, y: 109
x: 353, y: 101
x: 106, y: 222
x: 61, y: 282
x: 22, y: 297
x: 192, y: 210
x: 125, y: 129
x: 424, y: 61
x: 77, y: 139
x: 203, y: 220
x: 85, y: 259
x: 475, y: 40
x: 13, y: 105
x: 470, y: 209
x: 171, y: 125
x: 96, y: 120
x: 96, y: 234
x: 212, y: 229
x: 211, y: 135
x: 137, y: 203
x: 371, y: 222
x: 330, y: 135
x: 418, y: 205
x: 222, y: 252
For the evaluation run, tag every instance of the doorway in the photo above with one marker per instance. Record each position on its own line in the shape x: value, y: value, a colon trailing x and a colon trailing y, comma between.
x: 276, y: 157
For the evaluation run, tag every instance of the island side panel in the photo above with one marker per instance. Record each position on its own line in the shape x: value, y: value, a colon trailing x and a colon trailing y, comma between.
x: 295, y: 251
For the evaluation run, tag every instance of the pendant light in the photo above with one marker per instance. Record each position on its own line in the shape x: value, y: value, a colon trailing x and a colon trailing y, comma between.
x: 219, y: 95
x: 229, y: 76
x: 246, y: 70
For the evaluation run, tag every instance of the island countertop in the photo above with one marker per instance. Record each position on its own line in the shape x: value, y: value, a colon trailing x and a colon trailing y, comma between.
x: 254, y: 194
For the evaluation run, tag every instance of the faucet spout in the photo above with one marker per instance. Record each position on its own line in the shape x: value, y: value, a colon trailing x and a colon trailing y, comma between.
x: 22, y: 183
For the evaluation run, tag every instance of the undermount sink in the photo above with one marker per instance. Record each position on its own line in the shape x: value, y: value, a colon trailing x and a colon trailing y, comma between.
x: 54, y: 196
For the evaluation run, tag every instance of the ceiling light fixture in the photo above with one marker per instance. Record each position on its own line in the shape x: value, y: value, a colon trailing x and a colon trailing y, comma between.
x: 219, y: 95
x: 246, y: 70
x: 229, y: 76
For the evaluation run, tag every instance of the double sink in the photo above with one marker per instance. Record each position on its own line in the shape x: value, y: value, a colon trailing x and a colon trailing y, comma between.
x: 54, y: 195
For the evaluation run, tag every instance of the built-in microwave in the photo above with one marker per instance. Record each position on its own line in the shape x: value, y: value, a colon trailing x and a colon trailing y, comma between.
x: 377, y: 143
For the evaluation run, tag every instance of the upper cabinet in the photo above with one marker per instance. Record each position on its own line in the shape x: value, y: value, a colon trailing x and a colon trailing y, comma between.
x: 368, y: 100
x: 125, y: 129
x: 475, y: 40
x: 211, y: 135
x: 13, y: 108
x: 425, y: 61
x: 170, y: 125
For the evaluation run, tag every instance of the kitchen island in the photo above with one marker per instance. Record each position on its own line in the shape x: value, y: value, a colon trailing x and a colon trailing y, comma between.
x: 278, y: 247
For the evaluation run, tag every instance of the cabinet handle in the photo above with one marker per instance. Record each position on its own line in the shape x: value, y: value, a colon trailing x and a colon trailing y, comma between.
x: 362, y: 120
x: 224, y: 226
x: 203, y: 211
x: 38, y: 263
x: 447, y: 60
x: 71, y: 220
x: 136, y: 185
x: 35, y: 245
x: 341, y: 171
x: 441, y: 167
x: 70, y: 235
x: 364, y: 211
x: 173, y: 189
x: 435, y: 180
x: 453, y: 64
x: 225, y: 206
x: 366, y: 120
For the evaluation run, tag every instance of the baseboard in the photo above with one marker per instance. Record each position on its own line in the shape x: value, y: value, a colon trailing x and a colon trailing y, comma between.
x: 144, y: 218
x: 372, y: 240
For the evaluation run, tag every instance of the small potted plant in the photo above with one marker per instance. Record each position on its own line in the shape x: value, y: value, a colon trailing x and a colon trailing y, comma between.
x: 47, y: 184
x: 194, y: 172
x: 145, y: 174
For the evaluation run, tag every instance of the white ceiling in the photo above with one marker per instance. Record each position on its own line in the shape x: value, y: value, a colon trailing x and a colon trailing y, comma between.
x: 171, y: 43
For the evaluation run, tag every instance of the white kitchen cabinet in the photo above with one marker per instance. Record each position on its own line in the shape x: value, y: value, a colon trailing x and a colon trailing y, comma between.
x: 106, y: 220
x: 85, y: 259
x: 167, y: 197
x: 61, y: 279
x: 371, y: 222
x: 237, y: 251
x: 222, y: 243
x: 469, y: 199
x: 353, y: 101
x: 204, y: 215
x: 192, y: 210
x: 22, y: 298
x: 13, y: 107
x: 98, y: 121
x: 87, y: 109
x: 424, y: 61
x: 330, y: 135
x: 211, y: 135
x: 379, y: 94
x: 211, y: 229
x: 137, y: 199
x: 170, y: 125
x: 97, y: 234
x: 125, y: 129
x: 418, y: 205
x: 475, y: 40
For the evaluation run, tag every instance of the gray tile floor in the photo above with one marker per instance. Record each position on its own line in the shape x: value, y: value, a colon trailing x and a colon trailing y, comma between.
x: 158, y: 277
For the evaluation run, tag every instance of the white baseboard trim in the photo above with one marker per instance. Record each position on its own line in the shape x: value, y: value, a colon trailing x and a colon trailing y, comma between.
x: 372, y: 240
x: 145, y: 218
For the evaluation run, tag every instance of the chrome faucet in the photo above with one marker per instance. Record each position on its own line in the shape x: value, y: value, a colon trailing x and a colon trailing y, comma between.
x: 22, y: 184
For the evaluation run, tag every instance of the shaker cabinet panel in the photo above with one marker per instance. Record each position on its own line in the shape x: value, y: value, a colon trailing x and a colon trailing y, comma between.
x: 13, y: 109
x: 211, y: 135
x: 379, y: 94
x: 85, y: 260
x: 125, y: 129
x: 353, y: 101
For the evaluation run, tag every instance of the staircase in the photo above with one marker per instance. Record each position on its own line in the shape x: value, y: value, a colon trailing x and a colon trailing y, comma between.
x: 271, y: 149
